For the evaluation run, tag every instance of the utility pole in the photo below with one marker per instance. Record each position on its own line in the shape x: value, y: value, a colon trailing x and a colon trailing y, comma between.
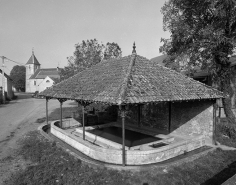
x: 3, y: 81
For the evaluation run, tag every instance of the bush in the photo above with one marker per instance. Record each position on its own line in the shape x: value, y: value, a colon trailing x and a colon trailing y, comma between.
x: 227, y: 129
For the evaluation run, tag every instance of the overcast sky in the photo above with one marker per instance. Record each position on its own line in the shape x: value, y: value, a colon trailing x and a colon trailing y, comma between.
x: 53, y: 27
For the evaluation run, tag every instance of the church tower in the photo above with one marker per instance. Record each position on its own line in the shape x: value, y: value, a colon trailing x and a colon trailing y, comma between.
x: 31, y: 66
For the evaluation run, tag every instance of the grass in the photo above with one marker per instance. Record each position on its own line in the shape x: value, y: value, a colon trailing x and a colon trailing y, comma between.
x: 52, y: 165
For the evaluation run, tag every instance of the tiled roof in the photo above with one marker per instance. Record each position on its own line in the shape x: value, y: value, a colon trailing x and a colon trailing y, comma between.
x: 43, y: 73
x: 130, y: 79
x: 33, y: 60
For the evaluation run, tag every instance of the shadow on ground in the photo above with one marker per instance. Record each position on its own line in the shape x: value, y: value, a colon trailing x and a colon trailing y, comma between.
x: 222, y: 176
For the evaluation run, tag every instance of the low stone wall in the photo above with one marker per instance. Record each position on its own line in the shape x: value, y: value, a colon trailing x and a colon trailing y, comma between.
x: 133, y: 157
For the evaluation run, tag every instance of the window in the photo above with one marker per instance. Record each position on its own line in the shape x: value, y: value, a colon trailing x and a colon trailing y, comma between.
x: 35, y: 82
x: 47, y: 81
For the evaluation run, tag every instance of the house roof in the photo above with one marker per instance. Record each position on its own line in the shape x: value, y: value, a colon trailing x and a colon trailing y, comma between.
x: 8, y: 77
x: 128, y: 80
x: 199, y: 73
x: 43, y: 73
x: 33, y: 60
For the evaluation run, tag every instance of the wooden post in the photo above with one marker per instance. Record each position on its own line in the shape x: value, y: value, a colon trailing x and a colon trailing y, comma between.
x: 139, y: 114
x: 61, y: 100
x: 219, y: 112
x: 61, y: 113
x: 169, y: 126
x: 83, y: 122
x: 214, y: 124
x: 123, y: 134
x: 3, y: 82
x: 47, y: 109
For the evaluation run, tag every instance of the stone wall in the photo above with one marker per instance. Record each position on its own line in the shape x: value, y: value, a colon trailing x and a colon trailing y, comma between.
x: 152, y: 115
x: 192, y: 118
x: 187, y: 118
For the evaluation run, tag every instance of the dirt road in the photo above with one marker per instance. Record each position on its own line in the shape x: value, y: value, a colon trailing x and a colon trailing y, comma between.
x: 16, y: 119
x: 19, y: 116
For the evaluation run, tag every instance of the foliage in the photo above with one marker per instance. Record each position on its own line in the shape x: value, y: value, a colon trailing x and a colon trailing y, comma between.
x: 202, y: 37
x: 112, y: 50
x: 88, y: 53
x: 52, y: 165
x: 17, y: 74
x: 226, y: 133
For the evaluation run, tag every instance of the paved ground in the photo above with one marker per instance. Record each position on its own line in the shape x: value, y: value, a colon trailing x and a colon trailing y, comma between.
x: 17, y: 118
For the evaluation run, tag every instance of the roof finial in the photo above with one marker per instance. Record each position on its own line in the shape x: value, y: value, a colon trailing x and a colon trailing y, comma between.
x: 33, y: 51
x: 134, y: 51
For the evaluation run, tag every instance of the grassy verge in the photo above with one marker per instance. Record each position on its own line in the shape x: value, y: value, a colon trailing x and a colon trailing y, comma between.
x: 52, y: 165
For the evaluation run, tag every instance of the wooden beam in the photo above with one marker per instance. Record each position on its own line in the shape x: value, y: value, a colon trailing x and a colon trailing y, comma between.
x: 61, y: 100
x: 61, y: 113
x: 169, y: 125
x: 83, y: 122
x: 139, y: 114
x: 219, y: 112
x: 47, y: 109
x: 123, y: 134
x: 214, y: 124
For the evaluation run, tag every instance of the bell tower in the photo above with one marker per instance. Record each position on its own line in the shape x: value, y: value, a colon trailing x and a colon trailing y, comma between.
x: 31, y: 66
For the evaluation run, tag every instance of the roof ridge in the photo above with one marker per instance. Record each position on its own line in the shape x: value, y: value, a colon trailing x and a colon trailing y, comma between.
x: 124, y: 85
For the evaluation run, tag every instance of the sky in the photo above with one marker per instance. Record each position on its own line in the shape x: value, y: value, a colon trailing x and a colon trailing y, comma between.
x: 53, y: 27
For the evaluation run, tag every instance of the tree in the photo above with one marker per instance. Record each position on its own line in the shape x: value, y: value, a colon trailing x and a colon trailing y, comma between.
x: 17, y: 74
x: 112, y: 50
x: 204, y: 32
x: 89, y: 53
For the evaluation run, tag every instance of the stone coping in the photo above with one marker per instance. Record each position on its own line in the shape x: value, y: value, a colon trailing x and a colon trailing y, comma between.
x: 133, y: 157
x: 186, y: 157
x: 100, y: 140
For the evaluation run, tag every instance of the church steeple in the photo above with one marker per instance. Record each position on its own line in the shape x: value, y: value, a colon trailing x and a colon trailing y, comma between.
x: 31, y: 66
x: 33, y: 59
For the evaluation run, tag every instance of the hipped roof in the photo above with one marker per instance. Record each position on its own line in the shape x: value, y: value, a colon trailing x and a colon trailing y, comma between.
x: 130, y: 80
x: 33, y: 60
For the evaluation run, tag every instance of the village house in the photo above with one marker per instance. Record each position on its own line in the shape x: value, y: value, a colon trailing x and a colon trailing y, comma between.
x: 200, y: 75
x: 8, y: 86
x: 38, y: 79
